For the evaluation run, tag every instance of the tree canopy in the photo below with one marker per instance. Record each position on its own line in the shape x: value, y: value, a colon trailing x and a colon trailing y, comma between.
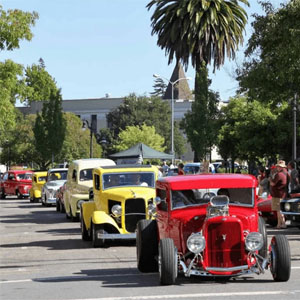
x: 139, y: 110
x: 49, y: 129
x: 15, y: 25
x: 271, y: 71
x: 140, y: 134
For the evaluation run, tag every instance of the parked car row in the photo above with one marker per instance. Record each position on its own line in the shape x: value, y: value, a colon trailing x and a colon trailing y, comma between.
x: 195, y: 225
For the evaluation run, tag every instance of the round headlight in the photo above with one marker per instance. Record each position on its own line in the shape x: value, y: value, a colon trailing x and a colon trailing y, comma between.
x: 196, y: 243
x: 254, y: 241
x: 151, y: 209
x: 116, y: 210
x: 287, y: 206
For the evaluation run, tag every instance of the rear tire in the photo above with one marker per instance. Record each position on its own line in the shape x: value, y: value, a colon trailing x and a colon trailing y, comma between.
x: 262, y: 229
x: 280, y: 265
x: 3, y: 195
x: 147, y: 246
x: 167, y: 262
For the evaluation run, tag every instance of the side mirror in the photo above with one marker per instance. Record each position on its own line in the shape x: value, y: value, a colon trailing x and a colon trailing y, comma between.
x: 157, y: 200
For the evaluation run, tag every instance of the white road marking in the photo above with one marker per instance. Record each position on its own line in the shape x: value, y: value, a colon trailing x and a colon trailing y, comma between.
x: 202, y: 295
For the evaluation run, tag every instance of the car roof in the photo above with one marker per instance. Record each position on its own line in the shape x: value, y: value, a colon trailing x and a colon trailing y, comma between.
x: 57, y: 170
x: 19, y: 171
x: 199, y: 181
x: 40, y: 173
x: 128, y: 168
x: 93, y: 162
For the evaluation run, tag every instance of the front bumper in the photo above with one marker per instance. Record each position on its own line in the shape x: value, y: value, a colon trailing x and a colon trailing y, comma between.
x: 50, y: 200
x: 116, y: 236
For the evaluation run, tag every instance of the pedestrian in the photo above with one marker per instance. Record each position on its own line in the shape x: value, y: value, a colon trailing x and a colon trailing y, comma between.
x: 180, y: 169
x: 165, y: 168
x: 294, y: 186
x: 278, y: 183
x: 263, y: 181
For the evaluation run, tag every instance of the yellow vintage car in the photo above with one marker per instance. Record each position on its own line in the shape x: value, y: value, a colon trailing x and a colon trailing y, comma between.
x: 122, y: 195
x: 38, y: 180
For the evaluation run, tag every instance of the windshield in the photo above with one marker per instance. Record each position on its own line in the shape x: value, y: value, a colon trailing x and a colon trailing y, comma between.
x: 86, y: 174
x: 25, y: 176
x: 58, y: 175
x: 42, y: 178
x: 128, y: 179
x: 237, y: 196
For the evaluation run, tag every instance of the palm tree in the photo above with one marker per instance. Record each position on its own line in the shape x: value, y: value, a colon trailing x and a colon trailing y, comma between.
x: 203, y: 31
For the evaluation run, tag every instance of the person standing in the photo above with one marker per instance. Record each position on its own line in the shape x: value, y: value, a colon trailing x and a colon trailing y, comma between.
x: 180, y: 169
x: 278, y: 183
x: 294, y: 179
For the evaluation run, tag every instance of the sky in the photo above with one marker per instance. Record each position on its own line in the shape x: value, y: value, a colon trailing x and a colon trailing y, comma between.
x: 97, y: 47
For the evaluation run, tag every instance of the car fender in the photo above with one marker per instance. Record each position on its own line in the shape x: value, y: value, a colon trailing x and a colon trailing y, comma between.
x: 37, y: 194
x: 87, y: 209
x: 74, y: 198
x: 100, y: 217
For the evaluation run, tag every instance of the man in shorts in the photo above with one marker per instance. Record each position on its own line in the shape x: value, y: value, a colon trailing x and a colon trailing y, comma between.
x: 278, y: 182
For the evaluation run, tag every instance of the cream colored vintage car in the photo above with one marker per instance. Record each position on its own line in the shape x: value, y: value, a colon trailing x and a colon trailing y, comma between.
x: 123, y: 195
x: 79, y: 181
x: 38, y: 181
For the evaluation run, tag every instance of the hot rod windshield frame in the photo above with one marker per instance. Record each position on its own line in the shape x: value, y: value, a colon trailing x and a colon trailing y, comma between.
x: 196, y: 197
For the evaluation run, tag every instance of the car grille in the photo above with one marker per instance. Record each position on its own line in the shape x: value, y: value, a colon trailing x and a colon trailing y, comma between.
x: 225, y: 248
x: 134, y: 211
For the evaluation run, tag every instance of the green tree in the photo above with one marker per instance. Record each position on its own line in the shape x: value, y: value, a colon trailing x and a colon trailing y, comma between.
x: 76, y: 144
x: 140, y: 134
x: 49, y: 130
x: 159, y: 88
x: 202, y: 31
x: 245, y: 130
x: 39, y: 82
x: 136, y: 111
x: 271, y: 71
x: 15, y: 25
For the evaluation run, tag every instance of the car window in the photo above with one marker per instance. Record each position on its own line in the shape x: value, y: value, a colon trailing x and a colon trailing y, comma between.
x: 146, y: 179
x: 86, y: 174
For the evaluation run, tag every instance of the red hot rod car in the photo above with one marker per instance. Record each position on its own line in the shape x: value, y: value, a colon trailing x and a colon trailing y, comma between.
x: 208, y: 225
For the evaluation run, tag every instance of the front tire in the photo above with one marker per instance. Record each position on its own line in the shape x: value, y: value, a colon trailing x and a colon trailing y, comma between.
x: 167, y: 262
x: 147, y: 246
x: 280, y: 265
x: 57, y: 205
x: 96, y: 242
x: 84, y: 232
x: 19, y: 195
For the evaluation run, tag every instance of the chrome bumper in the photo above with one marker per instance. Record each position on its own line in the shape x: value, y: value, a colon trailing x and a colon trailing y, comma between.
x: 116, y: 236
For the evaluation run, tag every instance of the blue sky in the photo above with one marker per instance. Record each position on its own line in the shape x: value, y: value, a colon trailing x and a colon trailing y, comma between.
x: 98, y: 47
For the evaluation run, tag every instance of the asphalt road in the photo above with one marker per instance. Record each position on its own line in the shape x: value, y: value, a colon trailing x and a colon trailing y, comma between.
x: 42, y: 256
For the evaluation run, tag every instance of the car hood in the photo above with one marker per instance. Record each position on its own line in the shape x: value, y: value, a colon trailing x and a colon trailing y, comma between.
x: 128, y: 193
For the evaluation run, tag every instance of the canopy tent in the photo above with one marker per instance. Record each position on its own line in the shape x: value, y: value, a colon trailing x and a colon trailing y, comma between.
x: 139, y: 152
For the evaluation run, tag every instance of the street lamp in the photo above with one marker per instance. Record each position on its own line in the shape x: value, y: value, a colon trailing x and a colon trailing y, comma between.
x: 85, y: 125
x: 172, y: 108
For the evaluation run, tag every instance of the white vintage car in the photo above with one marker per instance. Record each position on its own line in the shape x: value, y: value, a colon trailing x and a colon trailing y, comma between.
x: 55, y: 179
